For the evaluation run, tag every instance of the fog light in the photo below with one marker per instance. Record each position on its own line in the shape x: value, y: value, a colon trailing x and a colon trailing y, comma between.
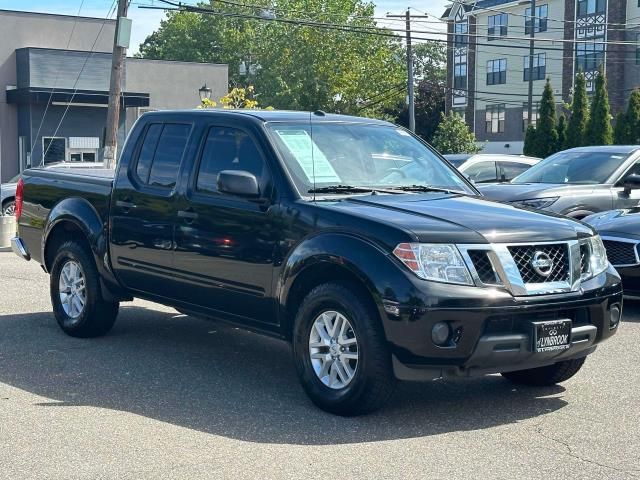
x: 441, y: 333
x: 614, y: 315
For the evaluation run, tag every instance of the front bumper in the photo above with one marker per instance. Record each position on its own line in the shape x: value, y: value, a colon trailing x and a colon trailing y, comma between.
x: 495, y: 332
x: 20, y: 249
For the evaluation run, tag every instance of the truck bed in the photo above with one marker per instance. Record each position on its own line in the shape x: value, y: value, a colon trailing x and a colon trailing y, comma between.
x: 46, y: 189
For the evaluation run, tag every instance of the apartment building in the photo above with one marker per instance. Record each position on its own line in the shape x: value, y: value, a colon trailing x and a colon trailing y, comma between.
x: 488, y: 59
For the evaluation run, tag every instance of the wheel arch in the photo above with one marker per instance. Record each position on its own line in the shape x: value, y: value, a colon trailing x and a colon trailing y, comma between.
x: 77, y: 218
x: 337, y: 258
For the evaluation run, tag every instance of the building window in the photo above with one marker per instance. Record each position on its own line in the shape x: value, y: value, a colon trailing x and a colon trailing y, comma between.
x: 525, y: 115
x: 460, y: 68
x: 461, y: 29
x: 539, y: 19
x: 589, y: 56
x: 54, y: 149
x: 494, y: 118
x: 498, y: 26
x: 539, y: 67
x: 497, y: 71
x: 591, y: 7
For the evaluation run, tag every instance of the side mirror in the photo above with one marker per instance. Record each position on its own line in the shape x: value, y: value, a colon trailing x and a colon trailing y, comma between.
x: 238, y: 182
x: 632, y: 182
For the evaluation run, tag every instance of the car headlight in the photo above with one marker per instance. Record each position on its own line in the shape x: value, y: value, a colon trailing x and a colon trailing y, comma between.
x: 434, y: 261
x: 536, y: 202
x: 598, y: 260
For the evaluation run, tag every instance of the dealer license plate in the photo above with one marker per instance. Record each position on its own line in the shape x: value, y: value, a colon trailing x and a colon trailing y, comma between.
x: 552, y: 336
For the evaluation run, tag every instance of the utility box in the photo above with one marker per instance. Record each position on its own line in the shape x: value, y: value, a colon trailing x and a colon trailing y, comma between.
x: 124, y: 32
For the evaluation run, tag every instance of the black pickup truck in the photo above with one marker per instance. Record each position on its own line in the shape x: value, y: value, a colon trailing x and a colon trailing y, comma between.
x: 348, y: 237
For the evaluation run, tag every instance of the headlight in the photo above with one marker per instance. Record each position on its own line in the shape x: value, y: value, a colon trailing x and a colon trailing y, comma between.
x: 598, y: 260
x: 434, y: 261
x: 536, y: 202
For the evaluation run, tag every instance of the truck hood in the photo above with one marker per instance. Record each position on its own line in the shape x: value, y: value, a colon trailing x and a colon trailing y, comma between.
x: 464, y: 219
x: 512, y: 192
x: 623, y: 223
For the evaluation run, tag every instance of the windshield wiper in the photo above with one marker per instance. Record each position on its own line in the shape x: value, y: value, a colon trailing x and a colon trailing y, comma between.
x: 350, y: 189
x: 426, y: 188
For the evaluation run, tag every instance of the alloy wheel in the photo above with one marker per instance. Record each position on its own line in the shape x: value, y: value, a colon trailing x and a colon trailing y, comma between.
x: 333, y: 349
x: 72, y: 289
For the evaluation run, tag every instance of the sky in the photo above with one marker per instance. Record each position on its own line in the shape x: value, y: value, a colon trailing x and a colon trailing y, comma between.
x: 146, y: 21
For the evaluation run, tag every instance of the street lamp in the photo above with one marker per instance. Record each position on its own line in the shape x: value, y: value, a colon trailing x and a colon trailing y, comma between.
x: 205, y: 93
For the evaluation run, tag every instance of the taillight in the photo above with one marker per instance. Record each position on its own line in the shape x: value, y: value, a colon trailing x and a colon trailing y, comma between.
x: 19, y: 198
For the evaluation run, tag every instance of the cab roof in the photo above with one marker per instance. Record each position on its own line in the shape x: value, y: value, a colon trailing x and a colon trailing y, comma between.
x: 275, y: 115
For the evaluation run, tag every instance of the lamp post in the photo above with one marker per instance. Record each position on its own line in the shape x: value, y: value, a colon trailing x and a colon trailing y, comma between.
x: 205, y: 93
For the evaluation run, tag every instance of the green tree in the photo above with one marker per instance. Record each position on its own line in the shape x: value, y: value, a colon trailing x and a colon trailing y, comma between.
x: 530, y: 142
x: 579, y: 114
x: 453, y: 136
x: 633, y: 118
x: 546, y: 136
x: 561, y: 128
x: 292, y: 66
x: 599, y: 130
x: 621, y: 129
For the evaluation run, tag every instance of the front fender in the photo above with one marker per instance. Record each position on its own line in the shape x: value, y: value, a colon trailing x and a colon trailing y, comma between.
x: 374, y: 267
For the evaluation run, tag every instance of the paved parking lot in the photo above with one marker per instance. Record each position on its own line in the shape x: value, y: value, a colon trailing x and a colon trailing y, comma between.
x: 168, y: 396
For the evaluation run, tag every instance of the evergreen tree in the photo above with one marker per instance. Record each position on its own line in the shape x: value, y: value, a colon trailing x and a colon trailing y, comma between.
x: 530, y: 146
x: 546, y: 135
x: 633, y: 118
x: 453, y: 136
x: 599, y: 130
x: 579, y: 114
x: 621, y: 130
x: 562, y: 132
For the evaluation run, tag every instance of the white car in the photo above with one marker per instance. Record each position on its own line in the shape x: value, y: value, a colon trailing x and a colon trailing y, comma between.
x: 8, y: 190
x: 489, y: 168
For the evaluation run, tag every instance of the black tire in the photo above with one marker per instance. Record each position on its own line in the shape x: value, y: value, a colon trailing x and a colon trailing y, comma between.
x: 373, y: 382
x: 546, y: 376
x: 98, y: 316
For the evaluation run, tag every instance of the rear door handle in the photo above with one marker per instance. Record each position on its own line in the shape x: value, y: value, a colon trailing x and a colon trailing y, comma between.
x: 188, y: 215
x: 125, y: 205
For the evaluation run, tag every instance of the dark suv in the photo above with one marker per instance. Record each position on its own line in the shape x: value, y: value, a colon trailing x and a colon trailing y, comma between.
x: 348, y: 237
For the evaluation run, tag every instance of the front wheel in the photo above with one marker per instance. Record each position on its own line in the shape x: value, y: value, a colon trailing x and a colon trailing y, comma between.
x: 76, y: 295
x: 340, y: 351
x: 546, y: 376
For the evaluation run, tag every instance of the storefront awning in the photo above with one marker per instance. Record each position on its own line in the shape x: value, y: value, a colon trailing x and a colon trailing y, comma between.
x: 35, y: 95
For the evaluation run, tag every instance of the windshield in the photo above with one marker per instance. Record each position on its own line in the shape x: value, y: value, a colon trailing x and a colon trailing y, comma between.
x: 360, y: 155
x: 574, y: 167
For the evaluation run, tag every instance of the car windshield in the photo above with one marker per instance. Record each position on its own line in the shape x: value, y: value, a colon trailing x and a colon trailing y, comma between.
x: 326, y: 155
x: 574, y: 168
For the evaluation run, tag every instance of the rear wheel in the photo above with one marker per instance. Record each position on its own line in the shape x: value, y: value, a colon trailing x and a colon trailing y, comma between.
x: 9, y: 208
x: 340, y: 351
x: 546, y: 376
x: 76, y: 295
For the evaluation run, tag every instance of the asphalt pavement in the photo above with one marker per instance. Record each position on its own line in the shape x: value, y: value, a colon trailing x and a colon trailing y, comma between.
x: 169, y: 396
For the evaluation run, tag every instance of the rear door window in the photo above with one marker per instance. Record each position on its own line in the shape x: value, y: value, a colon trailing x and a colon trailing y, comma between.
x: 482, y: 172
x: 161, y: 153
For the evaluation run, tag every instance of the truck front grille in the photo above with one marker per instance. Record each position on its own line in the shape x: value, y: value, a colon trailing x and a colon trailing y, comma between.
x: 621, y: 253
x: 524, y: 255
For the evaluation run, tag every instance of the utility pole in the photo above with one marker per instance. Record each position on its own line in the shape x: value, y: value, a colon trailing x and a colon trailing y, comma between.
x: 410, y: 80
x: 532, y: 34
x: 120, y: 43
